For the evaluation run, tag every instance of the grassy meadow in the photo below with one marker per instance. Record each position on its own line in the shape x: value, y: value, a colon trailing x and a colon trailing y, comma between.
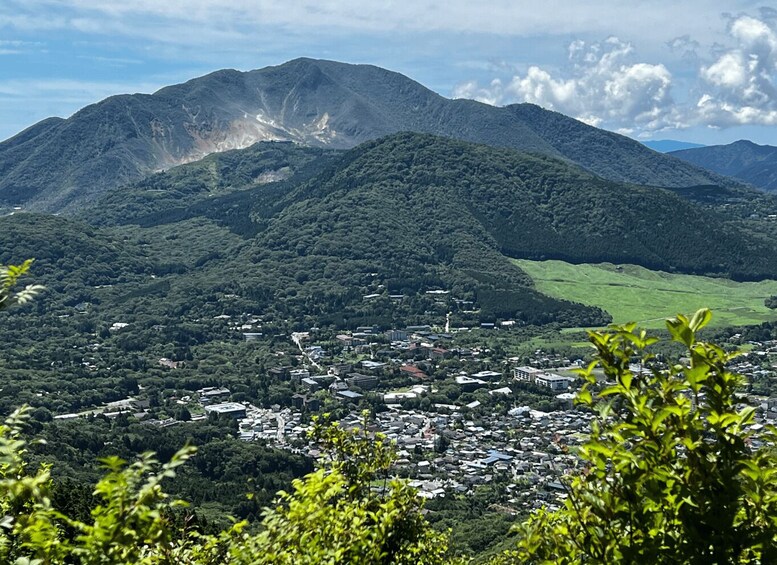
x: 632, y: 293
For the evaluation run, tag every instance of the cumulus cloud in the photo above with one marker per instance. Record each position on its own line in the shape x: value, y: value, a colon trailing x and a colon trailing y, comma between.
x: 740, y: 86
x: 604, y: 88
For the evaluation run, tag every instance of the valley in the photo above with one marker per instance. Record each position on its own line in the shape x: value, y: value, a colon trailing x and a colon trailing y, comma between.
x: 229, y: 260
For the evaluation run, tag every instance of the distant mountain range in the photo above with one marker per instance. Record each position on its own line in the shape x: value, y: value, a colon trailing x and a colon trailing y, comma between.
x: 743, y: 160
x: 669, y: 145
x: 60, y: 165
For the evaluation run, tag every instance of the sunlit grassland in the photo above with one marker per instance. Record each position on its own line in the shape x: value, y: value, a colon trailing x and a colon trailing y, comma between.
x: 632, y: 293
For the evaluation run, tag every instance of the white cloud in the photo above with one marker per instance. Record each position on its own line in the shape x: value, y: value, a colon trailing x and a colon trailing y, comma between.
x: 18, y: 47
x: 646, y: 20
x: 740, y: 86
x: 492, y: 94
x: 602, y: 85
x: 729, y: 71
x: 603, y: 88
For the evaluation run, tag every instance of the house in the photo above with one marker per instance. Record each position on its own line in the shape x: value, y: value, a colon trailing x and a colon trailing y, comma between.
x: 373, y: 366
x: 338, y: 386
x: 310, y: 384
x: 252, y: 336
x: 297, y: 375
x: 488, y: 375
x: 413, y: 372
x: 280, y: 373
x: 348, y: 395
x: 317, y: 382
x: 341, y: 369
x: 495, y: 456
x: 396, y: 335
x: 211, y: 394
x: 169, y: 363
x: 439, y: 353
x: 345, y: 340
x: 469, y: 384
x: 567, y: 398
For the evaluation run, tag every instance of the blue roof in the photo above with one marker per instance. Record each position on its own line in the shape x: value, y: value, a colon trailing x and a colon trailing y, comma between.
x: 494, y: 456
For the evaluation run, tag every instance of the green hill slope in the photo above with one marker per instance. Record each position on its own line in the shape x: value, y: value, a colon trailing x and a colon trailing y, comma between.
x: 402, y: 215
x: 437, y: 191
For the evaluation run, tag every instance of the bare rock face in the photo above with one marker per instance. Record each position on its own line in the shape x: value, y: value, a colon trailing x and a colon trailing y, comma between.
x: 61, y: 165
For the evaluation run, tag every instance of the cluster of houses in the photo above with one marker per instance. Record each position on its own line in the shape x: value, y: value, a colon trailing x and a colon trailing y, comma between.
x: 524, y: 448
x: 450, y: 448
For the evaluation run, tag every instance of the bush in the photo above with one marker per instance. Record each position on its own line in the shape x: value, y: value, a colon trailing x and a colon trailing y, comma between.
x: 673, y: 471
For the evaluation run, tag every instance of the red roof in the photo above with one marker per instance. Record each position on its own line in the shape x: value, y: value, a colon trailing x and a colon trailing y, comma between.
x: 413, y: 371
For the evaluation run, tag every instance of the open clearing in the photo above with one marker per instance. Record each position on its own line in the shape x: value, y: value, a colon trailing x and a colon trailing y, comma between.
x: 635, y: 294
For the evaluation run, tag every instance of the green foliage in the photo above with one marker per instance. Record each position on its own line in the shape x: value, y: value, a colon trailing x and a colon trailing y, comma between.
x: 206, y: 187
x: 331, y: 516
x: 9, y: 275
x: 128, y: 524
x: 673, y: 471
x: 215, y: 481
x: 337, y: 515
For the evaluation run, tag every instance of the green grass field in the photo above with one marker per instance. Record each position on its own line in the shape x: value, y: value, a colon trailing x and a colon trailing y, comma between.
x: 632, y: 293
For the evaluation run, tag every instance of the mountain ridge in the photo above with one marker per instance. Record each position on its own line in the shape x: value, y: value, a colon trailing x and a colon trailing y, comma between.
x: 61, y: 165
x: 744, y: 160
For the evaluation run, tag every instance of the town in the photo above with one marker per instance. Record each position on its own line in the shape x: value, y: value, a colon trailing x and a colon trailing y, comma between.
x: 459, y: 417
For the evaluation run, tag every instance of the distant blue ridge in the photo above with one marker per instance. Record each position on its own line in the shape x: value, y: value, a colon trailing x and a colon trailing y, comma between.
x: 667, y: 145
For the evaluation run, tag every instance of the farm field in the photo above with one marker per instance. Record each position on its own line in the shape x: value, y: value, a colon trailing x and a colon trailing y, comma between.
x: 633, y: 293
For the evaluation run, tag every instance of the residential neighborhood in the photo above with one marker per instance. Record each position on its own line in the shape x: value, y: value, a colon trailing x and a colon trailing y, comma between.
x: 459, y: 417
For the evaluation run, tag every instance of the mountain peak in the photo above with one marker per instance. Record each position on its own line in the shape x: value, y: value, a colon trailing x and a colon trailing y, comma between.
x: 744, y: 160
x: 58, y: 166
x: 745, y: 143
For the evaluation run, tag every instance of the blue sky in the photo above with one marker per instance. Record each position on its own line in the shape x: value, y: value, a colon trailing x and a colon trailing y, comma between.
x: 697, y: 70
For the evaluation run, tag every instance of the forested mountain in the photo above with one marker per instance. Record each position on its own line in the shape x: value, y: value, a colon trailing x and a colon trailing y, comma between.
x: 60, y: 165
x: 743, y: 160
x: 406, y: 214
x: 272, y: 163
x: 401, y: 215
